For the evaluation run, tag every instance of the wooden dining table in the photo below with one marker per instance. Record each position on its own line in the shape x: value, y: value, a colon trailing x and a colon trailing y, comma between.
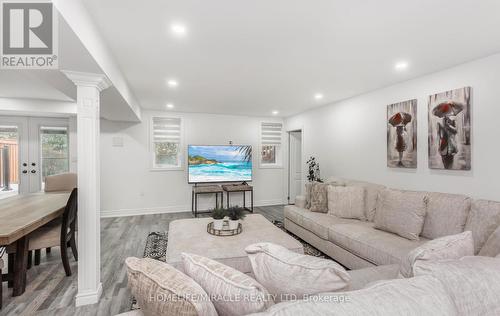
x: 19, y: 216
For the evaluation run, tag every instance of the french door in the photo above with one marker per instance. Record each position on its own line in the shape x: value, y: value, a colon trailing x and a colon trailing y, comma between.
x: 31, y: 148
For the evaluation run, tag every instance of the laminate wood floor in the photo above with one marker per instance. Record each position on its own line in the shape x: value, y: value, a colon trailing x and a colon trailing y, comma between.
x: 50, y: 292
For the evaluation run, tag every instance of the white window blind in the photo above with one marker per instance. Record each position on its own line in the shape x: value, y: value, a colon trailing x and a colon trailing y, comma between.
x: 271, y: 134
x: 166, y: 130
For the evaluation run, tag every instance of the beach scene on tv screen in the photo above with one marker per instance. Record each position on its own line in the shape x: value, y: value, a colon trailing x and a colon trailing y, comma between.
x: 220, y: 163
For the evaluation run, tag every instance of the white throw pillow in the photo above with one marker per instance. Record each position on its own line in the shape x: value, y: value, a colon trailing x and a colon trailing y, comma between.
x: 472, y: 282
x: 420, y: 296
x: 286, y: 274
x: 232, y: 292
x: 449, y: 247
x: 401, y: 212
x: 346, y: 202
x: 160, y: 289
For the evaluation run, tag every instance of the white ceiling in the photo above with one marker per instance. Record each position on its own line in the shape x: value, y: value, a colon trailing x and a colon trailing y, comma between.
x: 252, y: 57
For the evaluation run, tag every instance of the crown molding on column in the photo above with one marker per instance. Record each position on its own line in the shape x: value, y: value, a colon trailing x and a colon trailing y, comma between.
x: 99, y: 81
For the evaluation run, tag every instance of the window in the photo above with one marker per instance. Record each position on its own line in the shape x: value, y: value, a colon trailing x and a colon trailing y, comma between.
x: 166, y: 144
x: 270, y: 144
x: 55, y: 150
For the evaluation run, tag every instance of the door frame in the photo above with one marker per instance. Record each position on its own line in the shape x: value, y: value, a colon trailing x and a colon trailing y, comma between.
x: 288, y: 177
x: 23, y: 147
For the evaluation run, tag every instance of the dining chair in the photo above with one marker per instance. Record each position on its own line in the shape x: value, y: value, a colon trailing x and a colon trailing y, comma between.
x: 62, y: 235
x: 63, y: 182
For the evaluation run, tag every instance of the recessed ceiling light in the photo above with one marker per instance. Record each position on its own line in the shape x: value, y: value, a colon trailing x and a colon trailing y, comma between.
x: 172, y: 83
x: 318, y: 96
x: 401, y: 65
x: 275, y: 112
x: 178, y: 29
x: 169, y: 106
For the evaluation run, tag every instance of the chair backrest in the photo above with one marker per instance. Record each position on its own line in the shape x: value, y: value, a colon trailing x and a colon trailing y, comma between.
x: 64, y: 182
x: 68, y: 226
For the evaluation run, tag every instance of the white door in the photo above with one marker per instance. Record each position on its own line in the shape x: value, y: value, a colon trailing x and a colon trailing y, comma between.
x: 37, y: 147
x: 295, y: 166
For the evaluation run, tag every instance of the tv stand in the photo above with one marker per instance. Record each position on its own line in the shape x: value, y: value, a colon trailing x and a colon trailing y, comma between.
x: 243, y: 188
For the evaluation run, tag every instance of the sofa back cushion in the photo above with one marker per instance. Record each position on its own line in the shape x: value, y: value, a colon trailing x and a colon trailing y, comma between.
x: 472, y: 282
x: 448, y: 247
x: 372, y: 191
x: 401, y: 212
x: 160, y: 289
x: 483, y: 219
x: 446, y: 214
x: 346, y: 202
x: 492, y: 246
x: 415, y: 296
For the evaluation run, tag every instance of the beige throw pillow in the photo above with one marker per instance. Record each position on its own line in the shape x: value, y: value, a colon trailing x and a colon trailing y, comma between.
x: 160, y: 289
x: 483, y: 219
x: 401, y: 212
x: 319, y: 197
x: 232, y: 292
x: 346, y: 202
x: 446, y: 215
x: 472, y: 282
x: 492, y: 246
x: 285, y: 273
x: 449, y: 247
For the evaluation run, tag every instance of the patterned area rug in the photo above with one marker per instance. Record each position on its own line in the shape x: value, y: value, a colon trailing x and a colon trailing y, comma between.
x: 156, y: 248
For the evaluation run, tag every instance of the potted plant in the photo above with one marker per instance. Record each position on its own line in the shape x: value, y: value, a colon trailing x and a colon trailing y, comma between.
x: 218, y: 215
x: 235, y: 214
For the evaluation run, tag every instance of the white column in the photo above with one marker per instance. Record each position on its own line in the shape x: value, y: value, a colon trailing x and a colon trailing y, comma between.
x: 89, y: 87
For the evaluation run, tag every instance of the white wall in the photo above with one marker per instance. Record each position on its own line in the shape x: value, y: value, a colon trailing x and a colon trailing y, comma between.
x: 349, y: 137
x: 129, y: 186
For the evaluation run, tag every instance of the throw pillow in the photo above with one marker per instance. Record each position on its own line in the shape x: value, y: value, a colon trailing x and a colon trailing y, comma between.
x: 160, y: 289
x: 287, y: 274
x: 346, y: 202
x: 449, y: 247
x: 372, y: 192
x: 492, y: 246
x: 416, y: 296
x: 401, y: 212
x: 232, y: 291
x: 446, y: 215
x: 483, y: 219
x: 319, y: 197
x: 308, y: 194
x: 472, y: 282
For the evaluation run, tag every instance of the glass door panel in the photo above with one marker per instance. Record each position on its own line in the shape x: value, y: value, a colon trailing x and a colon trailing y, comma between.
x: 9, y: 160
x: 54, y: 149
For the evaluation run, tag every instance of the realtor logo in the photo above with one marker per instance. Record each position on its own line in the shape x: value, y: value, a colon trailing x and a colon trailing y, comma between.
x: 29, y: 35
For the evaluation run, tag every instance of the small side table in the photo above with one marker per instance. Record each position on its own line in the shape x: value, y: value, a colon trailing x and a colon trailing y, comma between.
x: 243, y: 188
x: 207, y: 189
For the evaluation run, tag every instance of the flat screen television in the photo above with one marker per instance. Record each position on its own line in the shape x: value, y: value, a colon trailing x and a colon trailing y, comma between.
x: 215, y: 163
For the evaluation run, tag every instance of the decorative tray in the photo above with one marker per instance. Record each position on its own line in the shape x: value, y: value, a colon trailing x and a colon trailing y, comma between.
x: 225, y: 231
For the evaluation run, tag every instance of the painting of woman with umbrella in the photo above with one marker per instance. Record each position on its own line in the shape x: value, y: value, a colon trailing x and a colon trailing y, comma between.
x: 449, y: 130
x: 402, y: 134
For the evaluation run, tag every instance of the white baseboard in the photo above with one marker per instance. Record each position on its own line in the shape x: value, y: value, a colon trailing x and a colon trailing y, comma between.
x: 170, y: 209
x: 88, y: 297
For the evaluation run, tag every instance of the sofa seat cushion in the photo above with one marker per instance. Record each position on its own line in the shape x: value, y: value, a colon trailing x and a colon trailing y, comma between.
x: 373, y: 245
x: 316, y: 223
x: 362, y: 277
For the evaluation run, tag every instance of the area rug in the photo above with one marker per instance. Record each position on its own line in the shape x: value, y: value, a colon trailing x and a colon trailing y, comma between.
x: 156, y: 248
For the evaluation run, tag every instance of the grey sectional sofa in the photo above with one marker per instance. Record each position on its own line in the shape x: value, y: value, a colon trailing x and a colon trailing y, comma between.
x: 357, y: 244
